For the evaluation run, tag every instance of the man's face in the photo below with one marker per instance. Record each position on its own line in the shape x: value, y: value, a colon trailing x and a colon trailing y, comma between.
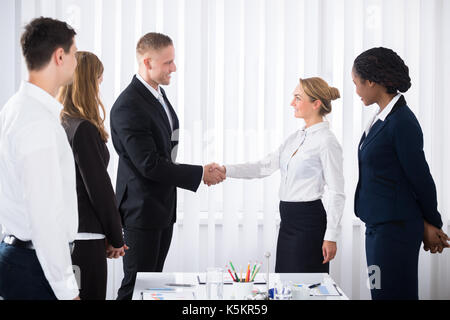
x: 161, y: 64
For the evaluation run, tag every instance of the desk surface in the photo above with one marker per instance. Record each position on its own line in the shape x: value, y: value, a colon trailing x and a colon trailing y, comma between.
x: 147, y: 280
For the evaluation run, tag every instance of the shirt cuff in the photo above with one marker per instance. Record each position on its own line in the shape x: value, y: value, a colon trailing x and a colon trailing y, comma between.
x: 331, y: 234
x: 66, y: 289
x: 229, y: 171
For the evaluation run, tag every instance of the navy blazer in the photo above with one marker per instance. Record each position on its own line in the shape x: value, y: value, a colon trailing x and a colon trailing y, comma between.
x: 395, y: 182
x: 147, y: 176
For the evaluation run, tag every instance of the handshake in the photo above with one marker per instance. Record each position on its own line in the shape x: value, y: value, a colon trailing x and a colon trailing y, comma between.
x: 213, y: 174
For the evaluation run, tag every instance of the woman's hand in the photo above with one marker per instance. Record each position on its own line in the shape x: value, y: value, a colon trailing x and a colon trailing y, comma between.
x: 329, y: 249
x: 434, y: 239
x: 114, y: 253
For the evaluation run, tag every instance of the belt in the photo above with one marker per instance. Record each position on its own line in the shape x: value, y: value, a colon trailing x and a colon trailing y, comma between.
x: 15, y: 242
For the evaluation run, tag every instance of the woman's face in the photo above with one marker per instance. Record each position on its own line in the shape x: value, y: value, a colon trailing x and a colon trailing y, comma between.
x: 365, y: 89
x: 303, y: 106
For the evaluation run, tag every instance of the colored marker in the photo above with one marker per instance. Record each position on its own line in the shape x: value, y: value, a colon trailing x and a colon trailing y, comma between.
x: 232, y: 267
x: 231, y: 275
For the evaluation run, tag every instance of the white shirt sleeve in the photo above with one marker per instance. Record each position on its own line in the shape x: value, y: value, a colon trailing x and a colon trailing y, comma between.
x: 41, y: 179
x: 332, y: 163
x: 258, y: 169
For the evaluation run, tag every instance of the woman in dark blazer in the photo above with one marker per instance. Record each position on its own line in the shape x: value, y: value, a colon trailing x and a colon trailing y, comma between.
x: 100, y: 230
x: 396, y: 194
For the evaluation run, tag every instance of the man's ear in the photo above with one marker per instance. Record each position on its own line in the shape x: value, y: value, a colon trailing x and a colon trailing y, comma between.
x: 147, y: 63
x: 58, y: 56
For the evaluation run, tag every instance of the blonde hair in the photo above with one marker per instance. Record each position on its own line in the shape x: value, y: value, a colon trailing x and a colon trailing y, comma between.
x: 152, y: 41
x: 81, y: 98
x: 318, y: 89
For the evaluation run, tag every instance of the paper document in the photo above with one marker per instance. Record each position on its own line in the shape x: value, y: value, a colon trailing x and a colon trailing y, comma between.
x: 325, y: 290
x: 168, y: 295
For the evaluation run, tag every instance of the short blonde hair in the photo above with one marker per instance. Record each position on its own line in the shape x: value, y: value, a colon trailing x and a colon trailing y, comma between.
x: 318, y: 89
x: 152, y: 41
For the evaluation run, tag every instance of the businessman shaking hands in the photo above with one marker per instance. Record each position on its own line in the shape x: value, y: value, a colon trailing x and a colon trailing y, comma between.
x: 144, y: 129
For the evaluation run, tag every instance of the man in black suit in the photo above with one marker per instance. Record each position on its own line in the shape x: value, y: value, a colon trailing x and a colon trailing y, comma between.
x: 144, y: 129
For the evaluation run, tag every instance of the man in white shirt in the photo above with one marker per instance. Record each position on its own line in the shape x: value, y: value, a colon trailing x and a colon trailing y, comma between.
x: 38, y: 202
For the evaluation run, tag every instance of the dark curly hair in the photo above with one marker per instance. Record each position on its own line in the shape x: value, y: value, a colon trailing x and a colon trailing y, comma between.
x: 385, y: 67
x: 41, y: 38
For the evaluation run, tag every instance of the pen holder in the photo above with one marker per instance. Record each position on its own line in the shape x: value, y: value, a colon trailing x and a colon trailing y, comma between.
x: 242, y: 289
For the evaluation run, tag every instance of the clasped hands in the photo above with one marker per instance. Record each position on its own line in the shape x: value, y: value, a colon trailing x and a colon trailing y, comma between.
x: 114, y: 253
x: 213, y: 174
x: 434, y: 239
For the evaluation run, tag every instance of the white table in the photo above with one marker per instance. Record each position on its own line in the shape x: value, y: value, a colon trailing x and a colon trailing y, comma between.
x: 147, y: 280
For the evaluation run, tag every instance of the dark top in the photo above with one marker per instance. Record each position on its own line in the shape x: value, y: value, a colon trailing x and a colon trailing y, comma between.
x: 97, y: 208
x: 148, y: 177
x: 395, y: 183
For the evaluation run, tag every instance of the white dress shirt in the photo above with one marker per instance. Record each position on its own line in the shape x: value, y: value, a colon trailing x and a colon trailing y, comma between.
x: 383, y: 114
x: 317, y: 163
x: 38, y: 199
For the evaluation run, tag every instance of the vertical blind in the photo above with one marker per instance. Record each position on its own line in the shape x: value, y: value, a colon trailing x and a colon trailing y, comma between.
x: 238, y: 63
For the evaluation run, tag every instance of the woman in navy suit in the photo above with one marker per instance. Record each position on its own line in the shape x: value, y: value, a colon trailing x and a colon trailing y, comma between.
x: 396, y: 194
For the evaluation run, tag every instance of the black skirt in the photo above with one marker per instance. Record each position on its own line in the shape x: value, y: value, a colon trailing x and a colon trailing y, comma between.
x: 300, y: 240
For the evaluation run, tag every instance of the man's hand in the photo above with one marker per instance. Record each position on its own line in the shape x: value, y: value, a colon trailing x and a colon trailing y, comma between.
x: 434, y: 239
x: 212, y: 174
x: 221, y: 169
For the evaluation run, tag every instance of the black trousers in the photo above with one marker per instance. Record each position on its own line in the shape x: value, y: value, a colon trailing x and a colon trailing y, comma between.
x: 392, y: 252
x: 300, y: 240
x: 90, y: 257
x: 147, y: 253
x: 21, y: 275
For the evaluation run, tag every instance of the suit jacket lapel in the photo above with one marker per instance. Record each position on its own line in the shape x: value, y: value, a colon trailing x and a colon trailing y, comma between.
x: 377, y: 127
x: 152, y: 101
x: 362, y: 140
x: 175, y: 136
x: 175, y: 123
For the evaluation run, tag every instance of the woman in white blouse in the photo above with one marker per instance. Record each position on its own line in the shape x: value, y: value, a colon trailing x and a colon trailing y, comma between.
x: 309, y: 160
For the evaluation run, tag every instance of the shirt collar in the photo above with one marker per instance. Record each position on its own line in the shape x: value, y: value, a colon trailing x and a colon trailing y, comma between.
x: 49, y: 102
x: 383, y: 114
x: 316, y: 127
x: 156, y: 93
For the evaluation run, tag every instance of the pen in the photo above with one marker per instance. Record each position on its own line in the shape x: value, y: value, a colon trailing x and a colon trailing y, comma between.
x: 314, y: 285
x: 160, y: 289
x: 232, y: 267
x: 253, y: 271
x: 231, y: 275
x: 257, y: 270
x: 179, y: 285
x: 247, y: 276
